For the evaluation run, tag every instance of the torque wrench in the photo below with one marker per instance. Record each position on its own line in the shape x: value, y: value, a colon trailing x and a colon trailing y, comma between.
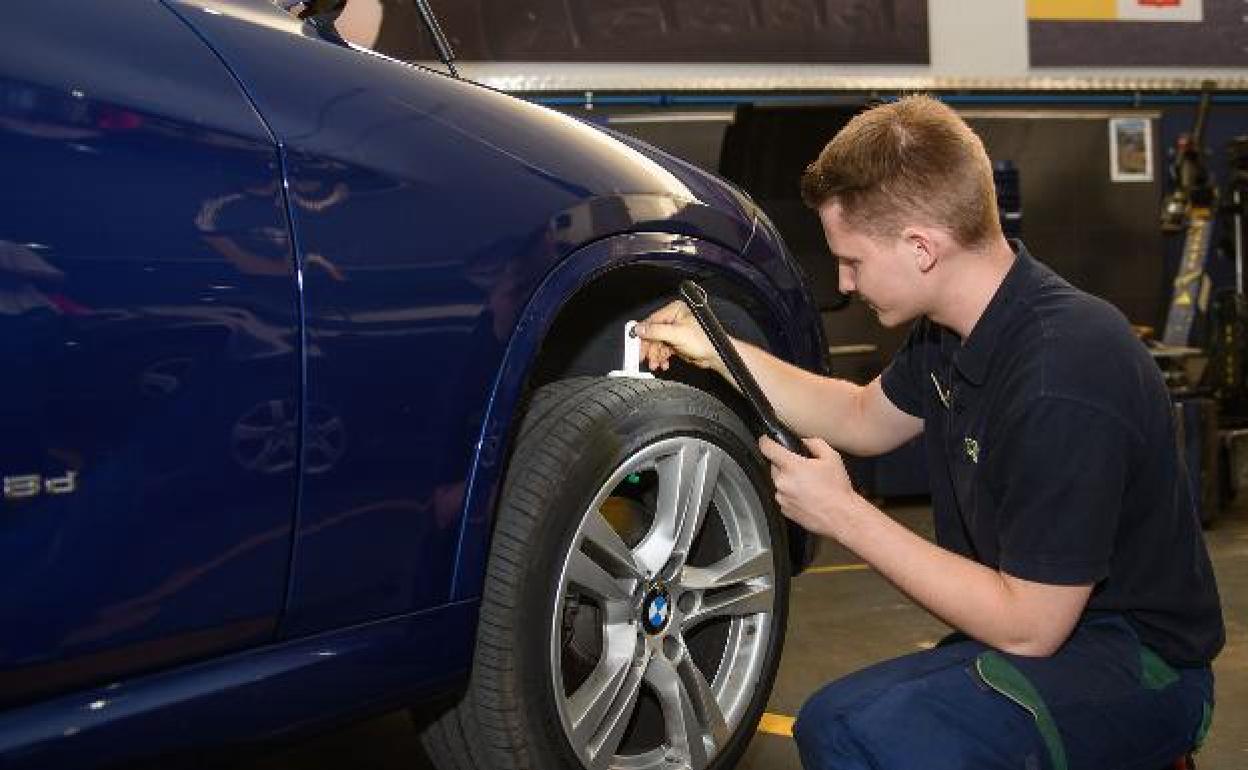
x: 699, y: 303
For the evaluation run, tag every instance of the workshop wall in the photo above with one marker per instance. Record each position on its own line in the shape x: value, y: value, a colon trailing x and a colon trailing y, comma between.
x: 976, y: 39
x: 1101, y: 235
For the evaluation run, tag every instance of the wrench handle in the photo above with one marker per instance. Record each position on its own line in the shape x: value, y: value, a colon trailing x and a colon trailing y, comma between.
x: 699, y: 303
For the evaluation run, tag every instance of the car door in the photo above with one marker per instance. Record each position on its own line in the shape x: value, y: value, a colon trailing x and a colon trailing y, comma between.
x: 150, y: 393
x: 401, y: 344
x: 411, y: 287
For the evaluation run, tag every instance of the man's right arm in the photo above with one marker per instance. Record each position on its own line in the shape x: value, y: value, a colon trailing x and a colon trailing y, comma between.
x: 857, y: 419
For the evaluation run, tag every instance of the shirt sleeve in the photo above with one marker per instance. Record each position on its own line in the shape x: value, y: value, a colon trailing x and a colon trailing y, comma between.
x: 1061, y: 469
x: 900, y: 380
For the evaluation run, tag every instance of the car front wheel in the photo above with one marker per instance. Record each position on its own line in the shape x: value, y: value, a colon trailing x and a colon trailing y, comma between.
x: 636, y: 593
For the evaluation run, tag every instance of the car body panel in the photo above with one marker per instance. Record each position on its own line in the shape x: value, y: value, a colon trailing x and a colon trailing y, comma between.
x: 146, y: 314
x: 427, y: 211
x: 256, y: 695
x: 279, y: 324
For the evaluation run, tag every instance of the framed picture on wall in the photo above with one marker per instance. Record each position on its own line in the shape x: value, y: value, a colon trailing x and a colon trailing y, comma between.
x: 1130, y: 150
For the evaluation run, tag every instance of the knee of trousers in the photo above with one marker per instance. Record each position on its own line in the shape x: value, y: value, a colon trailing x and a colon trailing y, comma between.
x: 828, y: 702
x: 829, y: 743
x: 830, y: 731
x: 939, y: 722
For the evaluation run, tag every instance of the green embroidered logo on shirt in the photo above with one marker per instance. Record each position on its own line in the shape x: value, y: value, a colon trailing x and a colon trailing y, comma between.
x: 972, y: 449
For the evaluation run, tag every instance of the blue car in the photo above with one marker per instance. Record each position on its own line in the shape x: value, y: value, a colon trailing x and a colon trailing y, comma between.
x: 307, y: 410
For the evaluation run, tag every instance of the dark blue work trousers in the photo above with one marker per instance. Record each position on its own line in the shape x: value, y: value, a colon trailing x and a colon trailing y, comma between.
x: 1102, y: 702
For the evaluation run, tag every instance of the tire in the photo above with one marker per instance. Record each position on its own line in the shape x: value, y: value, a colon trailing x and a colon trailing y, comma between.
x: 615, y: 629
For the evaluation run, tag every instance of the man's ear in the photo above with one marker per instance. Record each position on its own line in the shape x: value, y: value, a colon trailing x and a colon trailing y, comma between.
x: 925, y: 244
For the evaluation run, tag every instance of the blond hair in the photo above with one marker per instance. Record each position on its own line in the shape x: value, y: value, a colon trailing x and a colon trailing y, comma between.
x: 910, y: 159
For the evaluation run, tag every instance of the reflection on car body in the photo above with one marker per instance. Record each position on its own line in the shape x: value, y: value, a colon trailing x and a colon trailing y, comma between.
x: 277, y: 337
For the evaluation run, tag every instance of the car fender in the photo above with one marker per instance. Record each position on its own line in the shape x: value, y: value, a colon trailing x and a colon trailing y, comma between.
x: 684, y: 257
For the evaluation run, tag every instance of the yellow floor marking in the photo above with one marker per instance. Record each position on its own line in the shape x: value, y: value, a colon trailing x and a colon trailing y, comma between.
x: 1072, y: 10
x: 776, y: 724
x: 836, y: 568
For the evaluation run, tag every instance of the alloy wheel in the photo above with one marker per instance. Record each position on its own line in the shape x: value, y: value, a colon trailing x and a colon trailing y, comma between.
x: 664, y: 611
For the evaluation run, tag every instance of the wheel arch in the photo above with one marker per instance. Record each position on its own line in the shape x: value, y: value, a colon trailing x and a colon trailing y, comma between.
x: 573, y: 325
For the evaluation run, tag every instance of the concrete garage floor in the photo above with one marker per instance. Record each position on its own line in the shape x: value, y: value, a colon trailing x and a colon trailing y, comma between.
x: 842, y: 617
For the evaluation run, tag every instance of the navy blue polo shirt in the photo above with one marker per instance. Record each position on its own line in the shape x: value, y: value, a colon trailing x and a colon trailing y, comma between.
x: 1052, y: 453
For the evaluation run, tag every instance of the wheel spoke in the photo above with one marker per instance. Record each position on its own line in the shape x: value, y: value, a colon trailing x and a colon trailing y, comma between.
x: 746, y: 599
x: 698, y: 498
x: 590, y: 707
x: 584, y: 573
x: 615, y: 719
x: 687, y: 481
x: 599, y: 532
x: 736, y: 568
x: 710, y: 715
x: 685, y: 732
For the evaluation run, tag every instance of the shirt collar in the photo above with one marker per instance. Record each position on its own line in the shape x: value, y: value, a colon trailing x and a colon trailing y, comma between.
x: 972, y: 357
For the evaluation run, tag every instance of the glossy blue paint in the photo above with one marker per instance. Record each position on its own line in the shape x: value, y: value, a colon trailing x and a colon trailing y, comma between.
x: 147, y: 320
x: 258, y: 695
x: 243, y: 269
x: 428, y: 209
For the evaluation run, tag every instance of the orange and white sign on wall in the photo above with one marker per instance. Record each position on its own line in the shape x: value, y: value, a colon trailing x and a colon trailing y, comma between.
x: 1115, y: 10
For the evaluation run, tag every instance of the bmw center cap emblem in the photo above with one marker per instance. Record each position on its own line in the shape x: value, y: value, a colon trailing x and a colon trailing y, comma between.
x: 656, y: 609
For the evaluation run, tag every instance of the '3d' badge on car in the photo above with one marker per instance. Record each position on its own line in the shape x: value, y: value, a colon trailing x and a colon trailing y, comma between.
x: 33, y: 485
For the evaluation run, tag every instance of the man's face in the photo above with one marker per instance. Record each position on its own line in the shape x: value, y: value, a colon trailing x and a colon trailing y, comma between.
x: 880, y: 270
